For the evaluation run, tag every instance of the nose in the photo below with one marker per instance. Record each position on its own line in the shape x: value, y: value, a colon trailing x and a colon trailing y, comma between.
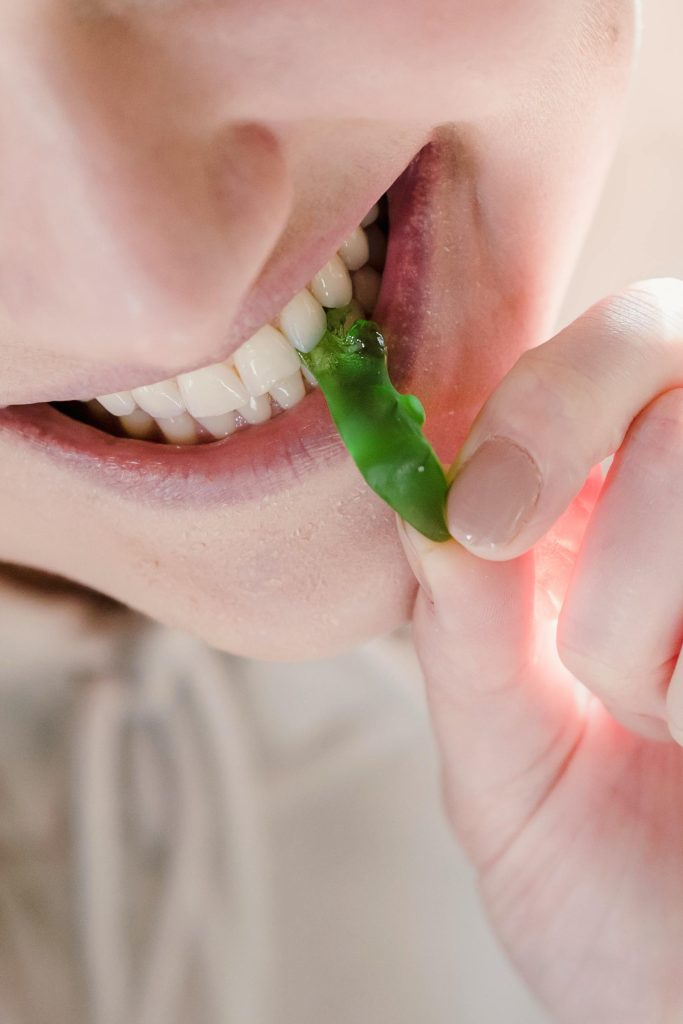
x: 129, y: 229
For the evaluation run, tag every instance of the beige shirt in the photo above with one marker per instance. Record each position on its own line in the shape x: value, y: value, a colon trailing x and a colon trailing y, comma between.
x: 187, y: 836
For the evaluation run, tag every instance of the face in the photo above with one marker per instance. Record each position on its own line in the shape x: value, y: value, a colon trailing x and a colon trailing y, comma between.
x: 173, y: 172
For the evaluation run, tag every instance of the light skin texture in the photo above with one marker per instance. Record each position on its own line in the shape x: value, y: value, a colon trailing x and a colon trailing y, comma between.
x: 572, y: 813
x: 194, y: 199
x: 160, y: 199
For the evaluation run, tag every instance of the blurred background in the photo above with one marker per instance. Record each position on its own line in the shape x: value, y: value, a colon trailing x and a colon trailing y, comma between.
x: 638, y: 229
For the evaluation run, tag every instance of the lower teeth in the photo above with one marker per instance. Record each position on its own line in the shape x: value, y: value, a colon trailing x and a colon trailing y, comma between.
x: 264, y: 377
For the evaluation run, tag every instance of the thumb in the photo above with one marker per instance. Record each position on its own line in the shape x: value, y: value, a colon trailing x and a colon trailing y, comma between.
x: 506, y: 713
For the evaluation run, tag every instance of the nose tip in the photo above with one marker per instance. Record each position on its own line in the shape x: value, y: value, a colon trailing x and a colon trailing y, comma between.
x: 126, y: 239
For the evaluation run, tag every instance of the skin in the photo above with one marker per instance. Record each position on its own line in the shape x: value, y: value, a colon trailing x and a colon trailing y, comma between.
x: 571, y: 813
x: 568, y: 796
x: 145, y: 265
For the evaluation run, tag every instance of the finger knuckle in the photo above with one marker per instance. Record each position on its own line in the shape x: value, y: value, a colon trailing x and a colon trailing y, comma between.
x: 662, y: 298
x: 657, y: 436
x: 634, y: 684
x: 551, y: 379
x: 649, y: 313
x: 599, y: 673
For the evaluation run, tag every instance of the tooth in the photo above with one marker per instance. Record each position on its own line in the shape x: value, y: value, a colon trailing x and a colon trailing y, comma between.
x: 180, y: 429
x: 354, y: 252
x: 119, y: 403
x: 219, y: 426
x: 256, y: 410
x: 138, y: 424
x: 212, y: 390
x: 331, y: 286
x: 356, y: 312
x: 98, y: 414
x: 366, y: 285
x: 303, y: 321
x: 377, y: 246
x: 289, y: 392
x: 265, y: 359
x: 309, y: 377
x: 370, y: 217
x: 162, y: 400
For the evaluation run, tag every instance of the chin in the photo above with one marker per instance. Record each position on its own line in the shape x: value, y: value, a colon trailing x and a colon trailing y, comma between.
x: 339, y: 579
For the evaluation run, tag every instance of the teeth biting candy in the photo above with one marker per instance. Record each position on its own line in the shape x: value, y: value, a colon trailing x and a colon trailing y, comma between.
x: 321, y: 338
x: 264, y: 376
x: 381, y: 428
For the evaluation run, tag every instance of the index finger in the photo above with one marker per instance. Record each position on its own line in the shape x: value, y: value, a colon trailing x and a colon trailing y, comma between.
x: 563, y: 408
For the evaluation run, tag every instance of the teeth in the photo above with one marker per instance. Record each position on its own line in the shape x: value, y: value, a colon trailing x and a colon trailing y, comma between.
x: 212, y: 391
x: 289, y: 392
x: 120, y: 403
x: 370, y: 217
x: 180, y: 429
x: 257, y: 409
x: 98, y: 413
x: 303, y: 321
x: 212, y: 401
x: 162, y: 401
x: 332, y: 286
x: 138, y: 424
x: 309, y: 376
x: 366, y: 284
x: 219, y: 426
x: 355, y: 252
x: 264, y: 360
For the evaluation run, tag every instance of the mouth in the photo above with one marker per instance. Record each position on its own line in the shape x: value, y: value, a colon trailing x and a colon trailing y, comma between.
x: 242, y: 539
x: 264, y: 377
x: 256, y: 423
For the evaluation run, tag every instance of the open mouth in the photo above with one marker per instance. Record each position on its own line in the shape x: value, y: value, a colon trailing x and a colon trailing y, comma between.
x: 264, y: 377
x: 253, y: 425
x: 242, y: 538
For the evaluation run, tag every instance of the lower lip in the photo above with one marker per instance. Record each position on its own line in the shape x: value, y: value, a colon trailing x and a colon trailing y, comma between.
x: 251, y: 463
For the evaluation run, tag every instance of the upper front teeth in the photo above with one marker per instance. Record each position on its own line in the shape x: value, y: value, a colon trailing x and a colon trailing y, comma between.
x: 120, y: 403
x: 163, y: 400
x: 216, y: 399
x: 212, y: 390
x: 265, y: 359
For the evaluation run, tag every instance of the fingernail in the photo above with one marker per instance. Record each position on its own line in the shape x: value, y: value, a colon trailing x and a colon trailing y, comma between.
x: 676, y: 734
x: 494, y: 494
x: 416, y: 547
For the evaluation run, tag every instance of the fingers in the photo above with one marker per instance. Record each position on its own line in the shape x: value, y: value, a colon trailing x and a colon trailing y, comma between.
x: 621, y: 625
x: 565, y: 406
x: 505, y: 711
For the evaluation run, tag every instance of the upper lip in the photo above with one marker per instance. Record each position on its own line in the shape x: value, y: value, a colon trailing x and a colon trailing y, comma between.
x: 285, y: 273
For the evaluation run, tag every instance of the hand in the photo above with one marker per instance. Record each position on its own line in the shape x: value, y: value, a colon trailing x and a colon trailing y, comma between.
x: 569, y: 797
